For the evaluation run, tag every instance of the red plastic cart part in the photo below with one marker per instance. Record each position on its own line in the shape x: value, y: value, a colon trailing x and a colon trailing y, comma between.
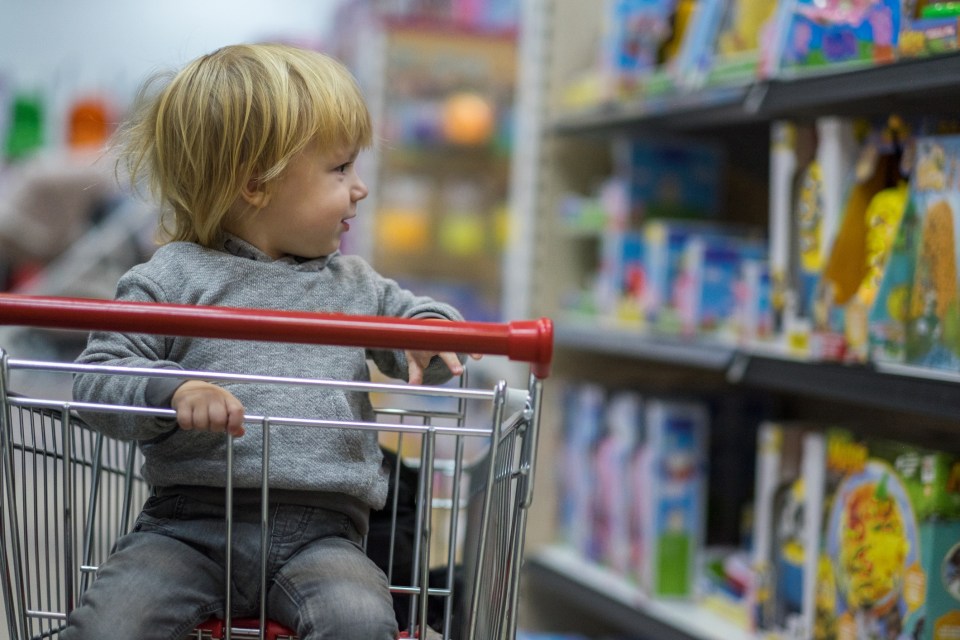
x: 274, y: 631
x: 529, y: 341
x: 216, y: 629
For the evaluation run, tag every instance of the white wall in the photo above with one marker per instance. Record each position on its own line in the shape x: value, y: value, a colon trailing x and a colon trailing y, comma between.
x: 62, y: 47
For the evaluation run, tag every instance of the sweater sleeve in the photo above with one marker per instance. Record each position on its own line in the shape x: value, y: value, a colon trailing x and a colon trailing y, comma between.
x: 397, y: 302
x: 127, y: 350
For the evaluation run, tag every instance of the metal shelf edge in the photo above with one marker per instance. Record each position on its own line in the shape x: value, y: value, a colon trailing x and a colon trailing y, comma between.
x: 624, y: 342
x: 609, y: 597
x: 896, y: 387
x: 765, y: 100
x: 900, y: 389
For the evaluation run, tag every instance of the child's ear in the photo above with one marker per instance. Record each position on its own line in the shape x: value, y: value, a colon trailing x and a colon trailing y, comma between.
x: 254, y: 192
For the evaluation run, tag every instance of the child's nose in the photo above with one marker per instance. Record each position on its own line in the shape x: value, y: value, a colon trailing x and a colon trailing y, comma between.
x: 359, y: 190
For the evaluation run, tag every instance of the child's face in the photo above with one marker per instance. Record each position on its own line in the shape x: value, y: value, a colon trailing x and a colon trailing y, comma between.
x: 309, y: 207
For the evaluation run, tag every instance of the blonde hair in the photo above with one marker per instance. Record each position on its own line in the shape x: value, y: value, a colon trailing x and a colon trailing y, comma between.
x: 237, y: 114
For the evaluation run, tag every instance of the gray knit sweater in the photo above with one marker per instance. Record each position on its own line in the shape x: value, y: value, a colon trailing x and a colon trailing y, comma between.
x: 338, y: 468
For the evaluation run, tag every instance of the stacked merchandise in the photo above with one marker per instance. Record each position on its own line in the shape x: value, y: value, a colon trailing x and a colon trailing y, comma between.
x: 843, y: 204
x: 863, y: 242
x: 633, y: 491
x: 655, y: 51
x: 854, y: 537
x: 916, y: 317
x: 667, y: 265
x: 860, y: 261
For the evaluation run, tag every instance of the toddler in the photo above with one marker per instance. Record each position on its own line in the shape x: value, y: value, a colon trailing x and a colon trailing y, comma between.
x: 251, y: 149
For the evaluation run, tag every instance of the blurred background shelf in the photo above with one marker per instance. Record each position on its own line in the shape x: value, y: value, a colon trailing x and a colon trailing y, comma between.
x: 587, y: 335
x: 922, y: 84
x: 598, y: 594
x: 900, y: 388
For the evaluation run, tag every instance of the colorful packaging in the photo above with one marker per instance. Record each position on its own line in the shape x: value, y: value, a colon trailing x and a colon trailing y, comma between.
x: 739, y: 43
x: 669, y: 179
x: 754, y: 313
x: 916, y: 317
x: 851, y: 277
x: 940, y: 542
x: 669, y: 277
x: 786, y: 538
x: 582, y: 421
x: 930, y: 30
x: 623, y: 421
x: 810, y: 172
x: 890, y: 509
x: 622, y: 281
x: 669, y: 507
x: 706, y: 292
x: 814, y: 36
x: 695, y: 59
x: 635, y: 30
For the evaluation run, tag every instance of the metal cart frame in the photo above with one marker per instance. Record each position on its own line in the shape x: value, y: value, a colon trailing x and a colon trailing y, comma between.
x: 75, y: 489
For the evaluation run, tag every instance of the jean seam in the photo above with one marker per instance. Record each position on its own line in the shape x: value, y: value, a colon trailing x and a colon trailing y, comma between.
x: 203, y: 614
x: 293, y: 594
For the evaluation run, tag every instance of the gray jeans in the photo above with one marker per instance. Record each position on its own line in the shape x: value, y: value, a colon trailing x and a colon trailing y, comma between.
x: 167, y: 576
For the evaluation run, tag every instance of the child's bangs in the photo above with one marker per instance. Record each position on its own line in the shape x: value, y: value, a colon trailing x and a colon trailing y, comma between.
x: 333, y: 106
x: 343, y: 124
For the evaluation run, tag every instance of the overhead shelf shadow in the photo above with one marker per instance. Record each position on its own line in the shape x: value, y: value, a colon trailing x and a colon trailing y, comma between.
x: 925, y: 85
x: 900, y: 388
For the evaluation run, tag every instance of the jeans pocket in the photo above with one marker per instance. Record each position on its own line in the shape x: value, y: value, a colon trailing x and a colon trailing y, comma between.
x: 301, y: 524
x: 157, y: 513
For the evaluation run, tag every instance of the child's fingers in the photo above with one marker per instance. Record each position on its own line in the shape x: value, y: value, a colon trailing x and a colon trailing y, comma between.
x: 235, y: 418
x: 452, y: 361
x: 217, y: 416
x: 185, y: 416
x: 201, y: 406
x: 414, y: 371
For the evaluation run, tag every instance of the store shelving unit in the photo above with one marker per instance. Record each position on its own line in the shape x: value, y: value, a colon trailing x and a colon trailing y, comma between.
x: 438, y: 177
x: 567, y: 42
x: 610, y: 597
x: 927, y: 84
x: 901, y: 388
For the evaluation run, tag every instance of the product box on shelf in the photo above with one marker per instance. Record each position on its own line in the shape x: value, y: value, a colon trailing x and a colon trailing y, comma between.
x: 888, y: 540
x: 723, y: 44
x: 915, y: 319
x: 665, y: 244
x: 581, y: 428
x: 928, y: 28
x: 617, y: 543
x: 788, y: 502
x: 754, y: 312
x: 669, y: 489
x: 695, y: 58
x: 739, y: 43
x: 632, y: 485
x: 810, y: 171
x: 812, y: 36
x: 692, y: 272
x: 706, y: 291
x: 634, y: 32
x: 940, y: 544
x: 669, y: 179
x: 851, y: 277
x: 621, y: 283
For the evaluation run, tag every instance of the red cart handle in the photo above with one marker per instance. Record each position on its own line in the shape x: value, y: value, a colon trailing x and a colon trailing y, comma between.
x: 528, y: 341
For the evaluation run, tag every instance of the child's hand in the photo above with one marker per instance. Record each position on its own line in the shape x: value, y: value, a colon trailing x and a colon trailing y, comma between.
x: 202, y: 406
x: 418, y: 361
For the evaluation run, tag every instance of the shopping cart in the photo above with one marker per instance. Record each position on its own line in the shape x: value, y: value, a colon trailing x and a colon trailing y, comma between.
x: 68, y: 492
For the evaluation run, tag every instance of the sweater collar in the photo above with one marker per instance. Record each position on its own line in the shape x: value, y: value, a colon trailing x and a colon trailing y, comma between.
x: 242, y: 249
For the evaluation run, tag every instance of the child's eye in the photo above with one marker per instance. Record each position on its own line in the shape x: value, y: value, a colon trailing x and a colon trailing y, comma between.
x: 343, y: 168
